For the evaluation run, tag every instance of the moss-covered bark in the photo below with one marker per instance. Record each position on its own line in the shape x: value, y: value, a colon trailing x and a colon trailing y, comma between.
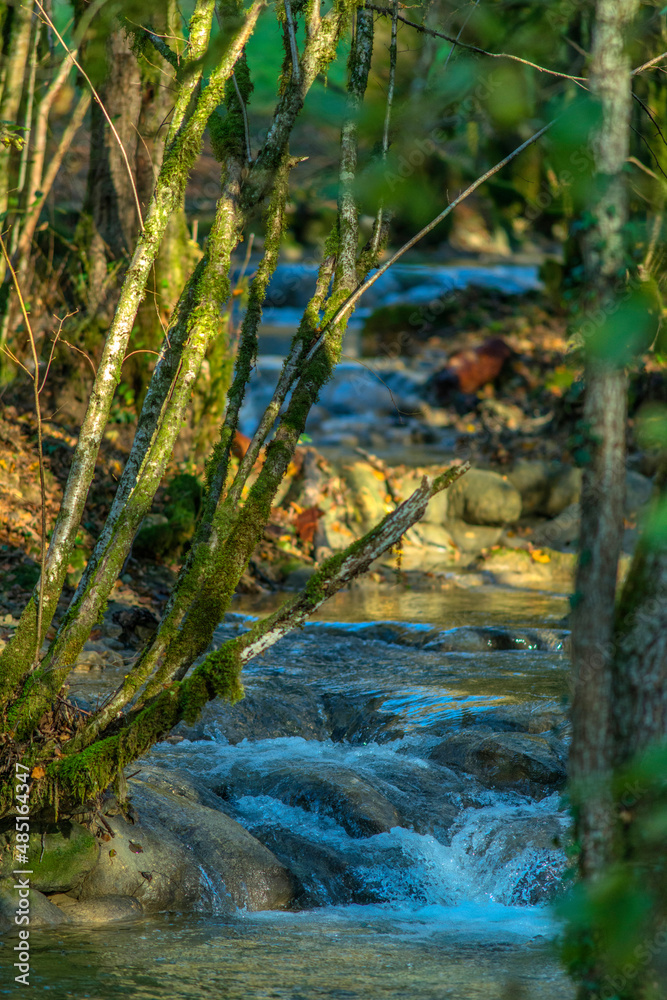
x: 183, y: 145
x: 87, y: 770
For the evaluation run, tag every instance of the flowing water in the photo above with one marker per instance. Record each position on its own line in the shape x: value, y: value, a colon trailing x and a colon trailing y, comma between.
x: 416, y: 880
x: 451, y: 903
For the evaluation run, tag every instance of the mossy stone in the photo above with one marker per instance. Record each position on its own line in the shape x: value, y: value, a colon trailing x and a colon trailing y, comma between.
x: 60, y: 855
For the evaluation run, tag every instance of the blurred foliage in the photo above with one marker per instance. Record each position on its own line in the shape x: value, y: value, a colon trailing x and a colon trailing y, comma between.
x: 616, y: 926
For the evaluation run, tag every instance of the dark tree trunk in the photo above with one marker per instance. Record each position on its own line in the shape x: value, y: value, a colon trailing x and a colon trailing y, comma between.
x: 110, y: 220
x: 604, y: 426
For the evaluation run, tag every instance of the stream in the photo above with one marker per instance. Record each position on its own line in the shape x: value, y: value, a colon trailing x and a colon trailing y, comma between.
x: 452, y: 902
x: 416, y: 878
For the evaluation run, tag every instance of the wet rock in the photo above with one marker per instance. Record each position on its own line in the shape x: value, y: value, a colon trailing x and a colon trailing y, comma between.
x: 60, y: 856
x: 104, y: 910
x: 359, y: 718
x: 231, y: 858
x: 324, y: 875
x: 143, y: 860
x: 276, y: 709
x: 360, y: 808
x: 521, y: 762
x: 183, y: 855
x: 43, y: 913
x: 484, y: 498
x: 524, y: 860
x: 533, y: 481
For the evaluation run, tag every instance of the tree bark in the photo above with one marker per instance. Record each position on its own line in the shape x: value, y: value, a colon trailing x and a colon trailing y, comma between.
x: 604, y: 425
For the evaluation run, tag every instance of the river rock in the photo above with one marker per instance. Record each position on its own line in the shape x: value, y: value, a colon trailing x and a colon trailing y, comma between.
x: 545, y: 568
x: 427, y: 533
x: 523, y: 853
x: 560, y: 532
x: 275, y: 709
x: 43, y: 913
x: 183, y: 855
x: 359, y: 807
x: 104, y: 910
x: 60, y: 856
x: 486, y: 498
x: 533, y: 481
x: 517, y: 761
x: 369, y: 498
x: 472, y: 538
x: 324, y: 875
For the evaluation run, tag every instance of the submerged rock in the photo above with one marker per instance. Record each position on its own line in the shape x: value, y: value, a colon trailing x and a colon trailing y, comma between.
x: 104, y: 910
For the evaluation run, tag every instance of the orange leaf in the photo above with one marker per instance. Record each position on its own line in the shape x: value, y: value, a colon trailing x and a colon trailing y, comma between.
x: 38, y: 771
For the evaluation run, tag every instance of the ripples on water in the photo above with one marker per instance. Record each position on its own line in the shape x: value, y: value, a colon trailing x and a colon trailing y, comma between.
x: 449, y: 911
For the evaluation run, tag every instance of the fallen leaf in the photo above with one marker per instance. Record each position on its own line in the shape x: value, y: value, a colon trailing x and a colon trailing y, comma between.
x: 540, y: 556
x: 38, y: 771
x: 135, y: 848
x: 306, y: 523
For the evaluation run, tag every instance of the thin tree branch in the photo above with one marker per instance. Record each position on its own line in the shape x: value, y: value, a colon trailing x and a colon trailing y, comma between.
x: 647, y: 65
x: 393, y: 54
x: 385, y: 11
x: 461, y: 30
x: 244, y: 112
x: 291, y: 31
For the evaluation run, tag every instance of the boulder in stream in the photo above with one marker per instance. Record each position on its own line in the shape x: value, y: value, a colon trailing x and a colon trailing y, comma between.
x: 519, y: 762
x: 359, y: 807
x: 178, y: 854
x: 486, y: 498
x: 60, y: 856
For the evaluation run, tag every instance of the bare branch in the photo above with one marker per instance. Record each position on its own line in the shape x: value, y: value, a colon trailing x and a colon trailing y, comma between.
x: 385, y: 11
x: 292, y: 40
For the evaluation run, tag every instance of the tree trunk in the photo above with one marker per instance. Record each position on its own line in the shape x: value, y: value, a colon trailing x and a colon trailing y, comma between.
x: 604, y: 426
x: 15, y: 61
x: 109, y: 222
